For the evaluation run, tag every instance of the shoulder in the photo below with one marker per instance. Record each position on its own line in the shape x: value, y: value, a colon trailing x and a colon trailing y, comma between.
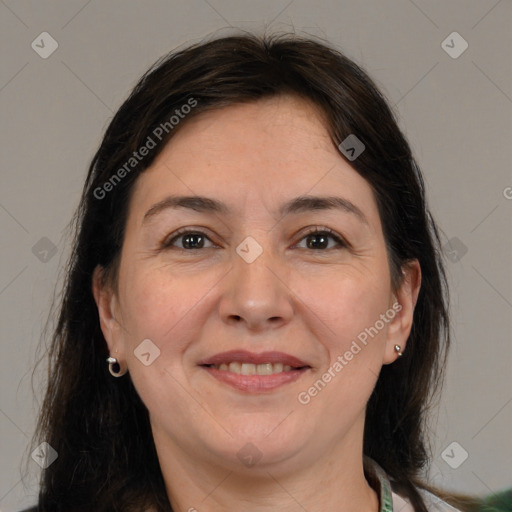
x: 432, y: 502
x: 435, y: 503
x: 389, y: 497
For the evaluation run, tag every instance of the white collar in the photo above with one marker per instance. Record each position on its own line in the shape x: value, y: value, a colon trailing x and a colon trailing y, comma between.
x: 390, y: 501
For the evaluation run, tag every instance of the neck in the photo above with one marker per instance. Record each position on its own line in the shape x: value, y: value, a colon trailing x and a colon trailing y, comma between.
x: 334, y: 482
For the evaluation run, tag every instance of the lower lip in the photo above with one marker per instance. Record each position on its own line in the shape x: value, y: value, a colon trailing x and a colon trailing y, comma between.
x: 255, y: 383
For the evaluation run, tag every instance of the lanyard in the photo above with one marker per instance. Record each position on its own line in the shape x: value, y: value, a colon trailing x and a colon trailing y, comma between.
x: 383, y: 485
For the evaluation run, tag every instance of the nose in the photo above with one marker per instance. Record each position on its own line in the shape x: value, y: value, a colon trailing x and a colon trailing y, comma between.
x: 257, y: 294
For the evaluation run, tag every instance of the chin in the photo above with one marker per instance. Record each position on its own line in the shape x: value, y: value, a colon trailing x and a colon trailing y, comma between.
x: 259, y: 445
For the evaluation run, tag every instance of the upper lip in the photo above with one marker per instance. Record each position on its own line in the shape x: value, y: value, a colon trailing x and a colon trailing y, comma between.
x: 243, y: 356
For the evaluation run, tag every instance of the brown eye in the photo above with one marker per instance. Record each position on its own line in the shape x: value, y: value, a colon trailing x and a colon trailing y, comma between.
x: 319, y: 239
x: 188, y: 240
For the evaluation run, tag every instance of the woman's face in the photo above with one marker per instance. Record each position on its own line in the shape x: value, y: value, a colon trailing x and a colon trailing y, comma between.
x: 265, y: 339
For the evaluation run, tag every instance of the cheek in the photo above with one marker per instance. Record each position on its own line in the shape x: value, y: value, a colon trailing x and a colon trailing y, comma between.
x: 163, y: 308
x: 344, y: 304
x: 159, y: 305
x: 349, y: 305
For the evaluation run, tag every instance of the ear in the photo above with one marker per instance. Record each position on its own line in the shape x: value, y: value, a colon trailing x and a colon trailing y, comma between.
x: 406, y: 296
x: 107, y: 304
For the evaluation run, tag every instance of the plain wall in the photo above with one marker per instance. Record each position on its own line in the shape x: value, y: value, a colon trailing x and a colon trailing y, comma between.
x: 456, y: 112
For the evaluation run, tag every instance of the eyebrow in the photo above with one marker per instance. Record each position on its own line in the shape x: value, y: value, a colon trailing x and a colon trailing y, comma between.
x: 297, y: 205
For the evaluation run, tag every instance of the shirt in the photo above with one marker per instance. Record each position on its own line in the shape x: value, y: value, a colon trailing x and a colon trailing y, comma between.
x: 390, y: 501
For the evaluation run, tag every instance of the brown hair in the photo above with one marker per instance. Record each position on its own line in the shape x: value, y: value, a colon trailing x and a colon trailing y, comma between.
x: 98, y: 425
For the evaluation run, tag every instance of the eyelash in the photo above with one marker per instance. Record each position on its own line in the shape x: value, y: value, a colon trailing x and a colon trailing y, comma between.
x: 168, y: 243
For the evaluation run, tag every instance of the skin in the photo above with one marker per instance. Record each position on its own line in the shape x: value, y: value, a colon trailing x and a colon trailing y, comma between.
x: 310, y: 303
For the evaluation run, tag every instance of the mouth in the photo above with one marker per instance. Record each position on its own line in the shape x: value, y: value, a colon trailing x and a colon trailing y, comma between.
x: 252, y: 369
x: 254, y: 373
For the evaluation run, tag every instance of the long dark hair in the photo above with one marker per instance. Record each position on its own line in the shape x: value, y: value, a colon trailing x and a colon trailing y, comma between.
x: 98, y: 425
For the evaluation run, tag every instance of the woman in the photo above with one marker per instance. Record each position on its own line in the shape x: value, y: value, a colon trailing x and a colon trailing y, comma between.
x: 255, y: 310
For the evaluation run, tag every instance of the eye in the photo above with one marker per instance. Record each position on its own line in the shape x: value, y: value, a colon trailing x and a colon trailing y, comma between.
x: 318, y: 238
x: 188, y: 240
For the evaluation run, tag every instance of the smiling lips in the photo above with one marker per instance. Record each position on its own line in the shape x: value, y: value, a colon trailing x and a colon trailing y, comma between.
x: 254, y: 373
x: 253, y: 369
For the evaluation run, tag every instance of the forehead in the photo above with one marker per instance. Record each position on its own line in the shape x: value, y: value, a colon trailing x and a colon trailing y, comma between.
x: 238, y: 127
x: 269, y: 150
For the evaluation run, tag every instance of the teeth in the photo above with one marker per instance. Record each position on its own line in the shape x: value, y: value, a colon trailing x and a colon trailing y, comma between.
x: 248, y: 369
x: 235, y: 367
x: 253, y: 369
x: 278, y: 367
x: 264, y: 369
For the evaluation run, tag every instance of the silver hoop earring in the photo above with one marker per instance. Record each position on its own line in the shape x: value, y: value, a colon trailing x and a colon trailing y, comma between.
x: 114, y: 367
x: 398, y: 350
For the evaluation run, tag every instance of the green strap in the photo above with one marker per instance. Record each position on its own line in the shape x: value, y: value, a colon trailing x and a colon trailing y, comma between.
x: 384, y: 486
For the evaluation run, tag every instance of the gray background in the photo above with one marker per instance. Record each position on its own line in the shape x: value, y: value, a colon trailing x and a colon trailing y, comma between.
x: 456, y: 113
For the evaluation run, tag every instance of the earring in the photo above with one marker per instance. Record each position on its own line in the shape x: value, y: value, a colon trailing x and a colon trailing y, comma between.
x: 114, y: 367
x: 398, y: 350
